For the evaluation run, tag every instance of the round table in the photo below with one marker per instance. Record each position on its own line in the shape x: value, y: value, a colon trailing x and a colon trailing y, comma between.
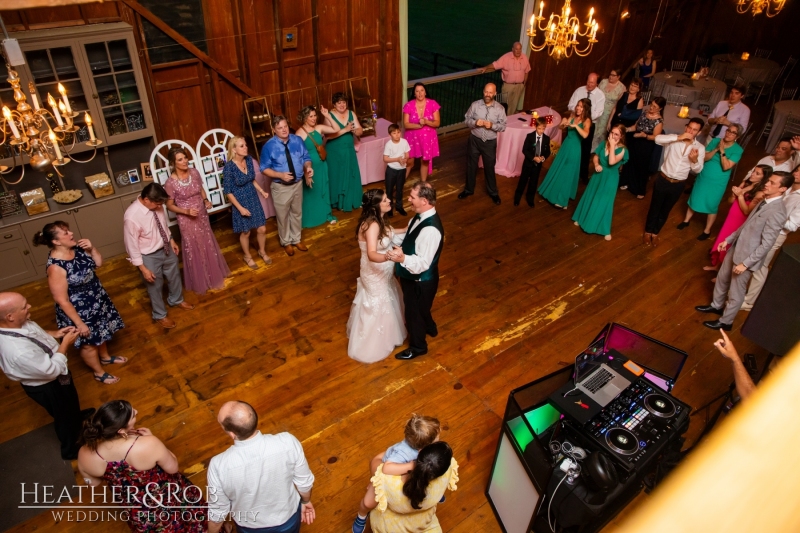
x: 782, y: 109
x: 509, y: 142
x: 665, y: 83
x: 674, y: 125
x: 753, y: 69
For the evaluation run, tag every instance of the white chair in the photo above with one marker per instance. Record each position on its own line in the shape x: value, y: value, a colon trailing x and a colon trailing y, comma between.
x: 700, y: 62
x: 679, y: 66
x: 760, y: 52
x: 767, y: 85
x: 787, y: 93
x: 646, y: 96
x: 676, y: 99
x: 792, y: 126
x: 705, y: 94
x: 767, y: 129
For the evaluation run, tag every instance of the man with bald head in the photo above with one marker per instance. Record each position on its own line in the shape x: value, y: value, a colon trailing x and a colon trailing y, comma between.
x: 262, y: 482
x: 33, y: 357
x: 598, y: 99
x: 515, y: 67
x: 485, y: 118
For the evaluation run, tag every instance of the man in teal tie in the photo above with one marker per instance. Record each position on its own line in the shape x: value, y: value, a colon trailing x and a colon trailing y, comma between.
x: 417, y: 266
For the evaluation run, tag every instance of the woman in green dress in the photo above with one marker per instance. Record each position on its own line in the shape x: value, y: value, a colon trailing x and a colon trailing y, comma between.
x: 316, y: 196
x: 722, y: 154
x: 561, y: 183
x: 343, y: 174
x: 594, y: 211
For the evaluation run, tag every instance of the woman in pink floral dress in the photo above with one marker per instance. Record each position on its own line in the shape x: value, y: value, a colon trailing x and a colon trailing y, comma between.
x: 204, y: 267
x: 420, y: 120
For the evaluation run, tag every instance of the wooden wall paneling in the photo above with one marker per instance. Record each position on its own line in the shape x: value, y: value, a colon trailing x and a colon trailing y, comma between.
x: 14, y: 20
x: 231, y: 109
x: 261, y: 22
x: 98, y: 13
x: 221, y: 38
x: 180, y: 100
x: 332, y: 32
x: 270, y: 79
x: 55, y: 17
x: 297, y: 13
x: 368, y: 65
x: 366, y: 22
x: 315, y: 33
x: 276, y: 22
x: 134, y: 19
x: 382, y: 89
x: 350, y: 42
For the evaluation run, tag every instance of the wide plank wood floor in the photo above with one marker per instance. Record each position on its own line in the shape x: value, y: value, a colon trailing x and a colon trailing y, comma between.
x: 522, y: 291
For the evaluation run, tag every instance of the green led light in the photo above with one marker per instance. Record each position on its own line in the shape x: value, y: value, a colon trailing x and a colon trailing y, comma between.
x: 540, y: 419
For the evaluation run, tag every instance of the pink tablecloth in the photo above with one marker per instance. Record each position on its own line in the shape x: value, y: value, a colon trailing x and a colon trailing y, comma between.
x: 509, y: 142
x: 370, y: 153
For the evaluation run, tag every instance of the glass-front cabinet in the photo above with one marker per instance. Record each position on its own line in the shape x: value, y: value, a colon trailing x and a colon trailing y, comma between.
x: 99, y: 68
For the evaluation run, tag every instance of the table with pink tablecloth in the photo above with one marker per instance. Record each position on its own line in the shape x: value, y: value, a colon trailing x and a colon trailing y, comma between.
x: 369, y: 151
x: 509, y: 142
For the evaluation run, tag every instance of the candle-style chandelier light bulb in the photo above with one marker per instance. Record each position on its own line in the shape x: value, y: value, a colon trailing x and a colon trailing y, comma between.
x: 561, y: 32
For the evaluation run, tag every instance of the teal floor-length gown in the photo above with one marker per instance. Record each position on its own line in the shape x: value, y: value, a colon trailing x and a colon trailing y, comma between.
x: 594, y: 211
x: 316, y: 199
x: 343, y: 174
x: 561, y: 183
x: 712, y: 182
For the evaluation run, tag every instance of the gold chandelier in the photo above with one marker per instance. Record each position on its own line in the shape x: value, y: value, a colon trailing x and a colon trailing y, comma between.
x: 27, y: 132
x: 769, y: 7
x: 561, y: 33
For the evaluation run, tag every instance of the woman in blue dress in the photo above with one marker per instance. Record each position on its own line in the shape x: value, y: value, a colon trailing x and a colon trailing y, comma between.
x: 240, y: 187
x: 561, y: 183
x: 81, y: 301
x: 647, y: 68
x: 596, y: 207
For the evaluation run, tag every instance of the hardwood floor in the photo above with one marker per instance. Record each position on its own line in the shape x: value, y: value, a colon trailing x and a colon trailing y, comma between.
x: 522, y: 291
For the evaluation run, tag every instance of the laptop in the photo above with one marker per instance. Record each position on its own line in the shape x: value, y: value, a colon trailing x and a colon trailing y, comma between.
x: 596, y: 379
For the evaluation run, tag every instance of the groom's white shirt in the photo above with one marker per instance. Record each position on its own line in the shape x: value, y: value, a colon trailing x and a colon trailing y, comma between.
x: 427, y: 243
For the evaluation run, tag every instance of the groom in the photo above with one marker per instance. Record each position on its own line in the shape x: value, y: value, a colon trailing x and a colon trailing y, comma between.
x: 417, y: 266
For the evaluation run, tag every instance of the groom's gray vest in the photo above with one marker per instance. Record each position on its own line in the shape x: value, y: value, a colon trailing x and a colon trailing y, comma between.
x: 409, y: 248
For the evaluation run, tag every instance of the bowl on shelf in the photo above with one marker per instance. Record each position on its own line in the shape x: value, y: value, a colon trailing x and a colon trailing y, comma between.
x: 67, y: 197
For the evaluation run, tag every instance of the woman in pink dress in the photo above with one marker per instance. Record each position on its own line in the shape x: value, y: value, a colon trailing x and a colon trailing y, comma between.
x: 204, y: 267
x: 745, y: 198
x: 420, y: 120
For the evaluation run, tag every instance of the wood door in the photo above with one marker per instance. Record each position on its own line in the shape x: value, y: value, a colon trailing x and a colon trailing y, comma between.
x: 101, y: 223
x: 15, y: 258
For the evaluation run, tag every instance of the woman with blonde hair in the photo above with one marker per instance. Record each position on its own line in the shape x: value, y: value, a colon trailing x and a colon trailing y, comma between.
x: 241, y: 189
x: 204, y: 267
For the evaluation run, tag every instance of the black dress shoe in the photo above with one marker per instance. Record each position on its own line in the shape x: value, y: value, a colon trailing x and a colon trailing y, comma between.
x: 683, y: 225
x: 434, y: 332
x: 708, y: 309
x: 703, y: 236
x: 464, y: 194
x: 87, y: 413
x: 409, y: 354
x: 516, y: 201
x: 716, y: 324
x: 496, y: 200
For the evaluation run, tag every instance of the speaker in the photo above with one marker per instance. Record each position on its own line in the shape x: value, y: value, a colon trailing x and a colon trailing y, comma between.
x: 774, y: 321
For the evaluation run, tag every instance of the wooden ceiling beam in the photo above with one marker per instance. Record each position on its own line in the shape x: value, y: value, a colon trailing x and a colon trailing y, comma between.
x: 10, y: 5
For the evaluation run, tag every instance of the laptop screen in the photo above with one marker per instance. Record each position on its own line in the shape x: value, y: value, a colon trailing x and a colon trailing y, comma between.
x: 649, y: 353
x: 588, y: 360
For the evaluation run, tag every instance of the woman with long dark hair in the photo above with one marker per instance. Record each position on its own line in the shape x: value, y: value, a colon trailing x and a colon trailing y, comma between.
x: 81, y: 300
x: 140, y: 470
x: 641, y: 143
x: 375, y: 327
x: 561, y: 183
x: 408, y: 503
x: 420, y: 120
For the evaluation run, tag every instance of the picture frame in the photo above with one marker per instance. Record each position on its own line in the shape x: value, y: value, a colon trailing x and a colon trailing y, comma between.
x: 211, y: 182
x: 146, y: 174
x: 133, y: 175
x: 220, y: 160
x: 162, y: 174
x: 216, y: 198
x: 208, y: 164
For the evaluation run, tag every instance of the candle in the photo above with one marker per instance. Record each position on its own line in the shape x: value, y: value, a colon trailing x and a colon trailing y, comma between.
x: 10, y: 120
x: 745, y: 56
x: 684, y: 113
x: 52, y: 102
x: 88, y: 120
x: 63, y: 92
x: 34, y: 99
x: 535, y: 114
x: 63, y: 110
x: 532, y: 17
x: 591, y: 12
x: 53, y: 140
x: 541, y: 8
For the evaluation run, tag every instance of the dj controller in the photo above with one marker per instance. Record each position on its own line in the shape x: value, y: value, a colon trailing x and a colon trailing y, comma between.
x: 638, y: 424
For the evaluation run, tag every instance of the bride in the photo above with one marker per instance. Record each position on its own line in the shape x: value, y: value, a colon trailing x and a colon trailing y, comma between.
x: 375, y: 327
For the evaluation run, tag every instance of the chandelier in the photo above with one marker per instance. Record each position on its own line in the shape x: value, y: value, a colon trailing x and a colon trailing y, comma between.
x: 27, y: 132
x: 769, y: 7
x: 561, y: 33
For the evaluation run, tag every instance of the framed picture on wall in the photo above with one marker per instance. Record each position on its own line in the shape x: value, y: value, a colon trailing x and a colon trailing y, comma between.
x: 133, y: 175
x: 220, y: 159
x: 146, y: 175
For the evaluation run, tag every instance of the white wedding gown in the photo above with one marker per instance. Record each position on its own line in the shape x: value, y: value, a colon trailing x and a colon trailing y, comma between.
x: 376, y: 327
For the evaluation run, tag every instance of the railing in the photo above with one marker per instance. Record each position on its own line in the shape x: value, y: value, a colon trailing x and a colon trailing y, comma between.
x: 454, y: 93
x: 423, y: 63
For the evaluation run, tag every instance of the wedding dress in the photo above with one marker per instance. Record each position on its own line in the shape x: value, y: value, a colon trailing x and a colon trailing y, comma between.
x: 376, y: 327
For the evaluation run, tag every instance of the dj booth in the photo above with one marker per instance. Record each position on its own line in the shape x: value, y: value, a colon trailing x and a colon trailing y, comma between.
x: 577, y: 444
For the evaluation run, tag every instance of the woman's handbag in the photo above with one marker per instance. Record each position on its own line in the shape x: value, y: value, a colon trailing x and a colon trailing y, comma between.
x: 321, y: 151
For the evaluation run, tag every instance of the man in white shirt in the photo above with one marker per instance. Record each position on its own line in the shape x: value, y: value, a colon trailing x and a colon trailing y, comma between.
x: 598, y: 99
x: 730, y: 111
x: 682, y: 153
x: 262, y: 482
x: 748, y: 248
x: 417, y: 266
x: 784, y: 158
x: 791, y: 201
x: 32, y: 356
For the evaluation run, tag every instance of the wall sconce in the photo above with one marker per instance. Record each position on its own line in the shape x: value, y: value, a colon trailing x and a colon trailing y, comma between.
x: 625, y: 15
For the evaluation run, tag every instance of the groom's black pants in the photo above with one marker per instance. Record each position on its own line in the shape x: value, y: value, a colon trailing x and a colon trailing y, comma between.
x: 418, y: 300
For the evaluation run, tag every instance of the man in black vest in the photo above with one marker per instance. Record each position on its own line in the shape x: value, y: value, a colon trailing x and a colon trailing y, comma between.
x: 417, y: 266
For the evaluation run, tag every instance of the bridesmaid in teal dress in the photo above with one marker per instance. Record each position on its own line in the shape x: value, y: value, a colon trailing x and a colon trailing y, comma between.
x: 594, y: 211
x: 343, y: 173
x: 712, y: 182
x: 561, y: 183
x: 316, y: 197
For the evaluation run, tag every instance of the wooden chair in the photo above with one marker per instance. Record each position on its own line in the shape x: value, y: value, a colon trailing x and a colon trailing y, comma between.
x: 676, y: 99
x: 679, y: 66
x: 760, y: 52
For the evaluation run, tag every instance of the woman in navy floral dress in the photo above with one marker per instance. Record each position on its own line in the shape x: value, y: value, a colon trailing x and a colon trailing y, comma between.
x: 81, y: 301
x: 141, y: 471
x: 241, y: 189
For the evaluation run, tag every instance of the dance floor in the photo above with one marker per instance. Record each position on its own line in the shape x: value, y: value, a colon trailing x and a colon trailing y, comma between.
x: 522, y: 291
